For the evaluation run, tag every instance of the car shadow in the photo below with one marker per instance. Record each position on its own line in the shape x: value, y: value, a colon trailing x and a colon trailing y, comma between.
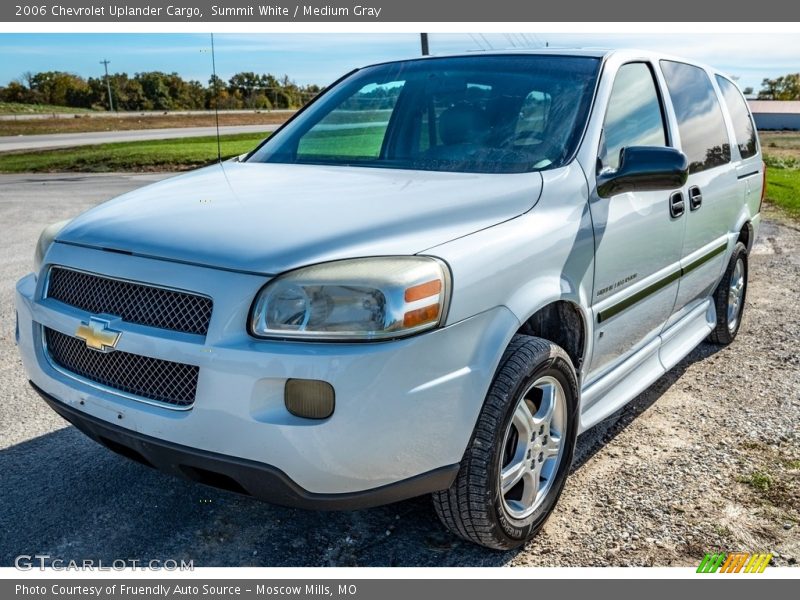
x: 67, y: 497
x: 592, y: 440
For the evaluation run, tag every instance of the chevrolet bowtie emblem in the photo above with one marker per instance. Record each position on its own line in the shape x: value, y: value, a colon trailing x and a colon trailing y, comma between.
x: 98, y: 335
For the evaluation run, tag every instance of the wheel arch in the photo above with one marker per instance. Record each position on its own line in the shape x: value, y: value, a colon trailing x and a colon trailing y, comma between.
x: 562, y: 322
x: 747, y: 235
x: 744, y: 228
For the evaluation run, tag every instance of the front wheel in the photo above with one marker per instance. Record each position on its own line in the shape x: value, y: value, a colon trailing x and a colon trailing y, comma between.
x: 516, y: 464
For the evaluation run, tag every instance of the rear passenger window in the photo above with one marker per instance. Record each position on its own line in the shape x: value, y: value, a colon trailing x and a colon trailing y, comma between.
x: 742, y: 122
x: 704, y: 137
x: 633, y: 117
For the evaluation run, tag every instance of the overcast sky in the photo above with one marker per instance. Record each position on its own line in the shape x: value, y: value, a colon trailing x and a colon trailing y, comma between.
x: 321, y: 58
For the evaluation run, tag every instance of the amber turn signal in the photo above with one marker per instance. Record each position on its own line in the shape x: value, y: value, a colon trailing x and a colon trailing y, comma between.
x: 423, y: 290
x: 420, y: 316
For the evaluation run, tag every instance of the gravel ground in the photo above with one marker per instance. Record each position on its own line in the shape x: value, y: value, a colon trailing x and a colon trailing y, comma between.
x: 708, y: 458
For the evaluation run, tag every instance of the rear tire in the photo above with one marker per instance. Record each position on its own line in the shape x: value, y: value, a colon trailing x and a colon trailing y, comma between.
x: 729, y: 297
x: 517, y: 461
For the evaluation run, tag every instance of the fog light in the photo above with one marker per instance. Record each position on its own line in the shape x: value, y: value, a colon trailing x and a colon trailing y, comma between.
x: 309, y: 398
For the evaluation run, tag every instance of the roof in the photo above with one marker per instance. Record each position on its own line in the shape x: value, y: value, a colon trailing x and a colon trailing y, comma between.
x: 774, y: 106
x: 550, y: 50
x: 602, y: 53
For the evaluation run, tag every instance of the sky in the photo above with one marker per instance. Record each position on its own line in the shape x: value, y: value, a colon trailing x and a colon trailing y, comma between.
x: 322, y: 57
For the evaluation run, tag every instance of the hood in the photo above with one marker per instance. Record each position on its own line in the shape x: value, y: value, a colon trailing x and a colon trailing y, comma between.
x: 268, y: 218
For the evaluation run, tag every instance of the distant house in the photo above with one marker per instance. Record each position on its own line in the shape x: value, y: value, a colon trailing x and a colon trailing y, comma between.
x: 776, y: 114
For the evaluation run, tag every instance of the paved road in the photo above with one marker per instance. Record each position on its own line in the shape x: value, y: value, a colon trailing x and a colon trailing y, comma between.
x: 11, y: 143
x: 63, y: 495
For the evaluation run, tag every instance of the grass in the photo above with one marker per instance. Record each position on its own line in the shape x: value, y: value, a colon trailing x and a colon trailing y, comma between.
x: 758, y: 480
x: 360, y: 142
x: 783, y: 189
x: 771, y: 474
x: 178, y: 154
x: 777, y: 143
x: 782, y: 154
x: 155, y: 155
x: 17, y: 108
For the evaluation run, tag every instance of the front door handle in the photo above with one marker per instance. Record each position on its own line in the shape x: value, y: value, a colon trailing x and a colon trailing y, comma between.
x: 676, y: 205
x: 695, y: 197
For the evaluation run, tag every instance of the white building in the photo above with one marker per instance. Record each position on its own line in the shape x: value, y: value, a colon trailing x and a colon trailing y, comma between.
x: 776, y: 114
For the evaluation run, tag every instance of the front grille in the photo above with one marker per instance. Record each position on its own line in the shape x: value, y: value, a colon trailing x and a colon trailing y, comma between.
x: 132, y: 302
x: 149, y: 378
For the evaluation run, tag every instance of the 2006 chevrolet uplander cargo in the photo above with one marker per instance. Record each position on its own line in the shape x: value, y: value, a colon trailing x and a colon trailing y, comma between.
x: 430, y: 280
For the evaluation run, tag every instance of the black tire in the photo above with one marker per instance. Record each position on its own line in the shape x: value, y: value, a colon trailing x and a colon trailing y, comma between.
x: 473, y: 507
x: 725, y: 331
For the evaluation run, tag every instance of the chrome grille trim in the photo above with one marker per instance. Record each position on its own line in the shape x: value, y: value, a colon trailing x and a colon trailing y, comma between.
x: 132, y: 301
x: 144, y: 379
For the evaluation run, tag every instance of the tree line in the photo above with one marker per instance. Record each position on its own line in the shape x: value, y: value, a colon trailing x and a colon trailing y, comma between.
x: 154, y: 90
x: 785, y: 87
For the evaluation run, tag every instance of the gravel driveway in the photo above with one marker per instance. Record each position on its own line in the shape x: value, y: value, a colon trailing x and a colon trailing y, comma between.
x: 707, y: 458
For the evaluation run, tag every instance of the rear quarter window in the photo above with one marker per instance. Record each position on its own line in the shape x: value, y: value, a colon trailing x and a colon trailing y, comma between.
x: 704, y: 136
x: 743, y: 127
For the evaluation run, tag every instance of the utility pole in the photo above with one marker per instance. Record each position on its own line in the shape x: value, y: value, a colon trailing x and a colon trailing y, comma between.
x: 423, y: 39
x: 105, y: 62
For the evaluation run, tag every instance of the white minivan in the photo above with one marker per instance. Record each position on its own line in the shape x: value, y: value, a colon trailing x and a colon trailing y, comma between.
x: 431, y: 279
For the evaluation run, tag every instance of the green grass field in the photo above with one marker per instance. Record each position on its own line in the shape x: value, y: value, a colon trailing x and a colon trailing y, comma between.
x: 178, y: 154
x: 359, y: 142
x: 783, y: 189
x: 782, y: 155
x: 155, y: 155
x: 15, y: 108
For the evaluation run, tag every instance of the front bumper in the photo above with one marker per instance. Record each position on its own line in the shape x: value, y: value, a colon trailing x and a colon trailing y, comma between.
x: 405, y: 409
x: 251, y: 478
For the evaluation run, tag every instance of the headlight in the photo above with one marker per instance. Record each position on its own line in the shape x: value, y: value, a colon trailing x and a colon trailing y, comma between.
x: 46, y: 238
x: 355, y: 299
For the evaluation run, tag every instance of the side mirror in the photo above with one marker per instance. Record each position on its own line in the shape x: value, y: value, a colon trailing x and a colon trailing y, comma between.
x: 645, y: 169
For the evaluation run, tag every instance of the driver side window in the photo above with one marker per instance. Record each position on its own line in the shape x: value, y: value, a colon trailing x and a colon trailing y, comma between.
x: 633, y: 117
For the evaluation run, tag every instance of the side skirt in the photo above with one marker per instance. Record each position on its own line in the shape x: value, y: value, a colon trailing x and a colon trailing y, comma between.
x: 621, y: 385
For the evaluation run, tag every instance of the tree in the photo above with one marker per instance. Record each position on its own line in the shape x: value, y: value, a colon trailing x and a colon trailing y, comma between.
x: 16, y: 92
x: 155, y: 90
x: 59, y: 88
x: 785, y: 87
x: 155, y: 85
x: 27, y: 77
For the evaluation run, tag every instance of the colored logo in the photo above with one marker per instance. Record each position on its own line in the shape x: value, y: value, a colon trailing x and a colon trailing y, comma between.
x: 735, y: 562
x: 98, y: 335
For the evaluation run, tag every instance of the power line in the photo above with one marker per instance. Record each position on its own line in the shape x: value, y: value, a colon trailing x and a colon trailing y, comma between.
x: 105, y: 62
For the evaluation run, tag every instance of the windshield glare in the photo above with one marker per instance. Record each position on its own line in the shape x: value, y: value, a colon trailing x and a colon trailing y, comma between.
x: 481, y: 114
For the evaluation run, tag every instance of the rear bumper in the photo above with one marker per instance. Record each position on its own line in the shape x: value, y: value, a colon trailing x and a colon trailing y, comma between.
x: 251, y: 478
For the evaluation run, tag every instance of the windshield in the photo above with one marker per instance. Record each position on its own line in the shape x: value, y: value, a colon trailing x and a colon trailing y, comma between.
x: 478, y: 114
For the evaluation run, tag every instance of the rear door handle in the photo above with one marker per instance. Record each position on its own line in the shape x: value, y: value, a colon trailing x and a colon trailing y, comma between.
x: 695, y: 197
x: 676, y: 205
